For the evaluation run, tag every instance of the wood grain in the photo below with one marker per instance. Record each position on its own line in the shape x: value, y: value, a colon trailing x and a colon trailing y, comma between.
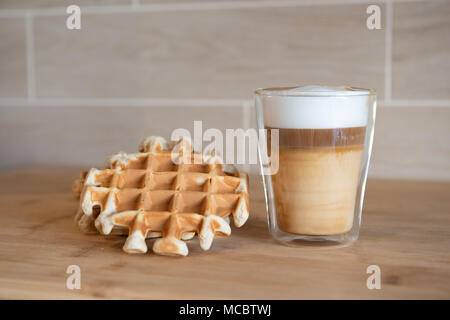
x: 405, y: 231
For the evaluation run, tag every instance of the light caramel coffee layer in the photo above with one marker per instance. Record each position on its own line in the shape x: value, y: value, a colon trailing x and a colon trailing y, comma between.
x: 315, y: 189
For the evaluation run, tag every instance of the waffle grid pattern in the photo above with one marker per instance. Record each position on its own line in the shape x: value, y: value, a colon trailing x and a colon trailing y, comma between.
x: 150, y: 196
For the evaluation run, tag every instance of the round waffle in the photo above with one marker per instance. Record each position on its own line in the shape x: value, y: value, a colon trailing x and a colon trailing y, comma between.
x: 164, y: 191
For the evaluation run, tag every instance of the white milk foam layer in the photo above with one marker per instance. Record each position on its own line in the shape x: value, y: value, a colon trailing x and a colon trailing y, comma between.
x: 315, y: 107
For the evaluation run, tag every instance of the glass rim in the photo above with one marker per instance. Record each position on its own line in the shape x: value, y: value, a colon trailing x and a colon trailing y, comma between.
x: 344, y: 91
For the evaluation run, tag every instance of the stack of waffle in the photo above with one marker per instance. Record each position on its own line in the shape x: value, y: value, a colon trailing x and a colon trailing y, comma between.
x: 166, y: 191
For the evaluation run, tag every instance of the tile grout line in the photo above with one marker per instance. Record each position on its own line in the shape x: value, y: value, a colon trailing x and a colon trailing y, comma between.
x: 396, y: 103
x: 247, y: 104
x: 388, y: 53
x: 121, y: 102
x: 162, y: 7
x: 31, y: 71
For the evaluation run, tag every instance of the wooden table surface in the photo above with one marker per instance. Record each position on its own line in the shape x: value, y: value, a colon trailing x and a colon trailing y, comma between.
x: 405, y: 231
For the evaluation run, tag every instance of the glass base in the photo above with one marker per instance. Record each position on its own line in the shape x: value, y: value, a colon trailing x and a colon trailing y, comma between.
x: 323, y: 241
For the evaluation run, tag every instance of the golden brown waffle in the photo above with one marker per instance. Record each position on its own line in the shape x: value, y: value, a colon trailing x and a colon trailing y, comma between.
x: 149, y: 195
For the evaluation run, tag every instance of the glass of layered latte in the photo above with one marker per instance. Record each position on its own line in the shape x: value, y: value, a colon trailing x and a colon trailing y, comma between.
x: 320, y: 139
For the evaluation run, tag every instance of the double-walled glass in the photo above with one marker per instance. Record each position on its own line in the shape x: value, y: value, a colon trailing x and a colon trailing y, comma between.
x: 314, y: 158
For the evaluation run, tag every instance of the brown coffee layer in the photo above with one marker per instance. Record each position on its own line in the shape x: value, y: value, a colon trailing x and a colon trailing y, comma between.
x: 338, y: 137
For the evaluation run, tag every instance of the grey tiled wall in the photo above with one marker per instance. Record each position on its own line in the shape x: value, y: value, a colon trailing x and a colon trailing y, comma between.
x: 138, y: 67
